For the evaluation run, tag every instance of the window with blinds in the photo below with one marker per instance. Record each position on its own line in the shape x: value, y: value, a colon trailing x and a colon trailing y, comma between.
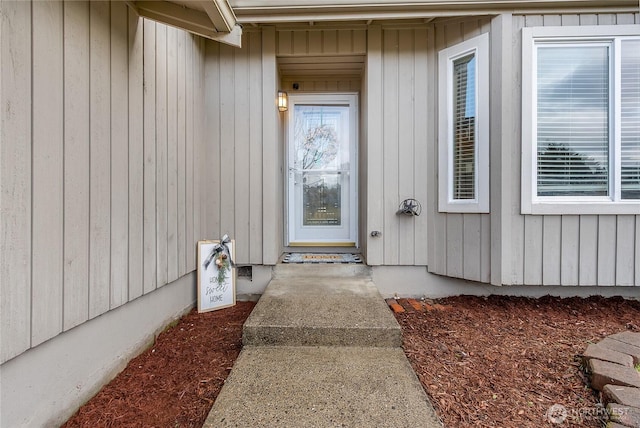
x: 581, y: 120
x: 573, y: 120
x: 463, y: 127
x: 464, y: 133
x: 630, y: 120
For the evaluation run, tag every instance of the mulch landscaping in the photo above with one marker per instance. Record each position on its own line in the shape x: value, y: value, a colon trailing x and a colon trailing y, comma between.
x: 484, y: 362
x: 505, y: 361
x: 175, y: 382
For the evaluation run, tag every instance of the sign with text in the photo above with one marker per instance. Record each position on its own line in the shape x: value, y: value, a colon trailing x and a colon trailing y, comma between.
x: 216, y: 276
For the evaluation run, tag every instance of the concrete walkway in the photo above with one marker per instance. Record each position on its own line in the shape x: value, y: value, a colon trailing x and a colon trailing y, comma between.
x: 322, y: 349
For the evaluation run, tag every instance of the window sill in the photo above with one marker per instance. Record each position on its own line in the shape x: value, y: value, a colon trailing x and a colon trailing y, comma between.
x: 577, y: 208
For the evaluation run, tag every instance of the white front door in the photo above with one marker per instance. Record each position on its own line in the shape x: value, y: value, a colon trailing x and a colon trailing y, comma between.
x: 322, y: 176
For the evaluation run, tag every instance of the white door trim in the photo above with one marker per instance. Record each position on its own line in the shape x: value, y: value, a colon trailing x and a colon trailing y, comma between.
x: 337, y: 99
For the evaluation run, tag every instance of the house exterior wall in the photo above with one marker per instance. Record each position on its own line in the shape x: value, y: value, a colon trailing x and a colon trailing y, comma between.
x: 244, y: 156
x: 584, y: 250
x: 101, y: 163
x: 397, y: 149
x: 460, y: 243
x: 103, y: 196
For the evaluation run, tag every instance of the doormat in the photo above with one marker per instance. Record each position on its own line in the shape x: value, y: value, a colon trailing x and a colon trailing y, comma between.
x: 321, y: 258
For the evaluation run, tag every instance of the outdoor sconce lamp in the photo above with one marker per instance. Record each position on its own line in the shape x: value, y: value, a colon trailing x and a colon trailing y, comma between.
x: 283, y: 101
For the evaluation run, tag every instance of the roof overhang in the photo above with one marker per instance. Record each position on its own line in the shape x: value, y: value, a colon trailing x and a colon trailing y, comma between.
x: 281, y: 11
x: 213, y: 19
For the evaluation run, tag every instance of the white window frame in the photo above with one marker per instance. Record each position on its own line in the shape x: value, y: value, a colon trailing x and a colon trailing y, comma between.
x: 446, y: 203
x: 531, y: 203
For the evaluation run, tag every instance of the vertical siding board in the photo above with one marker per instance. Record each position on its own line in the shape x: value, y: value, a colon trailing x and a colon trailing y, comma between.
x: 198, y: 133
x: 453, y: 33
x: 300, y: 42
x: 172, y: 154
x: 455, y: 245
x: 484, y: 25
x: 375, y: 167
x: 625, y: 18
x: 228, y: 140
x: 552, y: 20
x: 606, y: 19
x: 181, y: 155
x: 285, y: 42
x: 149, y: 122
x: 391, y: 144
x: 625, y: 250
x: 421, y: 158
x: 533, y: 250
x: 470, y: 29
x: 330, y: 41
x: 588, y: 19
x: 271, y: 177
x: 191, y: 87
x: 136, y: 155
x: 551, y: 242
x: 76, y: 161
x: 240, y: 196
x: 485, y: 248
x: 570, y: 250
x: 607, y: 250
x: 438, y: 222
x: 100, y: 159
x: 211, y: 167
x: 570, y: 20
x: 345, y: 41
x: 406, y: 138
x: 588, y: 267
x: 360, y: 41
x: 472, y: 235
x: 255, y: 148
x: 119, y: 156
x: 161, y: 155
x: 504, y: 131
x: 637, y: 252
x: 15, y: 176
x: 48, y: 163
x: 315, y: 42
x: 511, y: 111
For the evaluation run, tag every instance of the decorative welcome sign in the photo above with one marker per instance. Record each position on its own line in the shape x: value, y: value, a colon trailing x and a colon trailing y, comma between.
x: 216, y: 274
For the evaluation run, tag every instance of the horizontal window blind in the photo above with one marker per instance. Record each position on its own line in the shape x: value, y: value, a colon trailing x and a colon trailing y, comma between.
x: 630, y: 120
x: 573, y: 120
x: 464, y: 135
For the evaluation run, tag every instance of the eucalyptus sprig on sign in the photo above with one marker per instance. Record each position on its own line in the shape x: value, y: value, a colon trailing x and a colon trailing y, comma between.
x: 223, y: 265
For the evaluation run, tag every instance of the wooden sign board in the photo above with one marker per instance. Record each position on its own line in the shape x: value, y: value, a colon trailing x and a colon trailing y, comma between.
x: 212, y: 293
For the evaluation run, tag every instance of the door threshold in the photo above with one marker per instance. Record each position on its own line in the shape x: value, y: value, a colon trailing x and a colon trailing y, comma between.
x: 322, y: 244
x: 323, y: 250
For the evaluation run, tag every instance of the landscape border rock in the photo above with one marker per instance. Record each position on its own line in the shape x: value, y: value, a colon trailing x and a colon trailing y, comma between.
x: 608, y: 365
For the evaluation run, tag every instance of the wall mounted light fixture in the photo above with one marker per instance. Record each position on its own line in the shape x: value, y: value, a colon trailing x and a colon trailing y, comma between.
x: 283, y: 101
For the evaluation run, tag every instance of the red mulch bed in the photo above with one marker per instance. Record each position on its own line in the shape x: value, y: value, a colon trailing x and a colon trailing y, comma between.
x: 485, y: 362
x: 175, y: 382
x: 503, y: 361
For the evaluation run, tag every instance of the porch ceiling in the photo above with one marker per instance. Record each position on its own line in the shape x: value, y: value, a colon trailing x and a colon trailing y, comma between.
x: 261, y: 11
x: 213, y: 19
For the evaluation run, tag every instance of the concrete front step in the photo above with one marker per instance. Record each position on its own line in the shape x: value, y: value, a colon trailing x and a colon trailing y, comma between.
x: 322, y: 270
x: 322, y: 387
x: 322, y: 311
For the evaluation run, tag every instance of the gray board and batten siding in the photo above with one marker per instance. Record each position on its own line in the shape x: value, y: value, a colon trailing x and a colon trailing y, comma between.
x: 131, y: 140
x: 579, y: 250
x: 506, y: 247
x: 102, y: 163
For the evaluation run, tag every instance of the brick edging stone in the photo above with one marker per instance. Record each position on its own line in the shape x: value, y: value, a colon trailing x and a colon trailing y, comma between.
x: 610, y: 365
